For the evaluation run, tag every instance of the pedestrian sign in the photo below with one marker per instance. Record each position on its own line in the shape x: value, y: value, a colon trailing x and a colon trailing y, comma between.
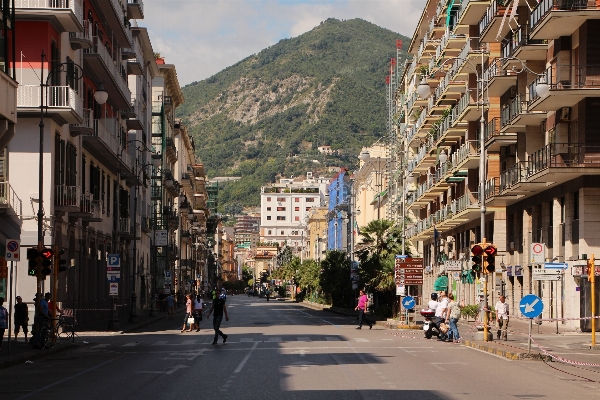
x: 408, y: 302
x: 531, y: 306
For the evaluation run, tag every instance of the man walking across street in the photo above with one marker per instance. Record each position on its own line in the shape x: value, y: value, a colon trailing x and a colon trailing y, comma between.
x: 502, y: 317
x: 21, y: 317
x: 170, y: 306
x: 218, y: 306
x: 362, y: 309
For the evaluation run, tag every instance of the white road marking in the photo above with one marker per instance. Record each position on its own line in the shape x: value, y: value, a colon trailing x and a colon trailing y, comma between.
x: 132, y: 344
x: 362, y: 340
x: 171, y: 371
x: 189, y: 342
x: 239, y: 368
x: 99, y: 346
x: 302, y: 352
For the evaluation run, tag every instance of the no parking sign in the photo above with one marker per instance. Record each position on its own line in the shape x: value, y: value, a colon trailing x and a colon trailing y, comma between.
x: 13, y: 249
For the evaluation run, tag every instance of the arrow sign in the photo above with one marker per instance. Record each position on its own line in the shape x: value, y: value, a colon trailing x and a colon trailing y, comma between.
x: 408, y: 302
x: 531, y: 306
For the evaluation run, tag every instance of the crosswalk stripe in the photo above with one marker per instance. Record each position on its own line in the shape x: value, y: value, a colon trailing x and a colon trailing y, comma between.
x: 303, y: 338
x: 332, y: 339
x: 359, y: 339
x: 188, y: 342
x: 98, y: 346
x: 130, y: 344
x: 275, y: 339
x: 160, y: 343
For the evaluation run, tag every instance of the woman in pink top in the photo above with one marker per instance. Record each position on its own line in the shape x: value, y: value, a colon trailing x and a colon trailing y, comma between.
x: 188, y: 313
x: 362, y: 309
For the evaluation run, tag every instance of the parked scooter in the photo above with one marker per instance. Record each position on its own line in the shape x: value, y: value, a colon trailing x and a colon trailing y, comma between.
x: 430, y: 326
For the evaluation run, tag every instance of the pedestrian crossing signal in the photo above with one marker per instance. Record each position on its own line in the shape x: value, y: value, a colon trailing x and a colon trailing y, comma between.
x: 33, y: 261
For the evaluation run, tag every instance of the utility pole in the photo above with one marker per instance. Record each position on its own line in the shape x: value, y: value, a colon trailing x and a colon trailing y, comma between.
x: 592, y: 278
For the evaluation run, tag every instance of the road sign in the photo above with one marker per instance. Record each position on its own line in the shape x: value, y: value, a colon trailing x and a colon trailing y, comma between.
x: 531, y: 306
x: 550, y: 265
x: 544, y: 271
x: 400, y: 290
x: 408, y: 302
x: 537, y: 253
x: 167, y: 274
x: 113, y: 289
x: 453, y: 265
x: 113, y: 268
x: 161, y: 238
x: 12, y: 250
x: 546, y: 277
x: 408, y: 271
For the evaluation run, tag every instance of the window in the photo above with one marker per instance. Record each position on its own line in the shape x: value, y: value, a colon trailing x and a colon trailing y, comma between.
x: 296, y: 208
x: 269, y: 232
x: 280, y: 218
x: 310, y: 200
x: 296, y: 218
x: 281, y: 199
x: 280, y: 208
x: 297, y: 199
x: 562, y: 210
x: 268, y: 217
x: 576, y: 205
x: 307, y: 208
x: 282, y: 233
x: 268, y: 199
x: 268, y: 208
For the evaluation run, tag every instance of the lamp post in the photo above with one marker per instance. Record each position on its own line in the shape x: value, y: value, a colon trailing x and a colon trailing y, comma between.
x: 100, y: 96
x: 424, y: 91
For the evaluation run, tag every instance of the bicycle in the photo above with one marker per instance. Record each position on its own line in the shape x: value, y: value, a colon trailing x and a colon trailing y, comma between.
x: 63, y: 330
x: 46, y: 334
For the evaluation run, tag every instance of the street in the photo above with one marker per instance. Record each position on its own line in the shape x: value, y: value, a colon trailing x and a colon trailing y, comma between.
x: 282, y: 348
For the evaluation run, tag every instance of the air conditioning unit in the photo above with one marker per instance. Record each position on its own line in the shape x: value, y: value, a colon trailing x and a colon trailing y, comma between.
x: 564, y: 114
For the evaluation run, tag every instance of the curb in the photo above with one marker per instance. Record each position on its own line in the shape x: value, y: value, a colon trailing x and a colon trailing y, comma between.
x: 387, y: 325
x: 135, y: 328
x: 34, y: 355
x: 511, y: 355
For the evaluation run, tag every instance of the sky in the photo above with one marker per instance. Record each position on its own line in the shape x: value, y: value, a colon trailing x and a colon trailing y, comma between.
x: 202, y: 37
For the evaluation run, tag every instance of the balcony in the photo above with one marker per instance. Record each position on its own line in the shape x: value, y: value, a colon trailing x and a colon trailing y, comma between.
x: 519, y: 45
x: 551, y: 19
x: 467, y: 109
x: 560, y: 162
x: 67, y: 198
x: 65, y: 15
x: 495, y: 137
x: 569, y: 84
x: 471, y: 55
x: 170, y: 150
x: 135, y: 60
x: 135, y: 9
x: 516, y: 116
x: 62, y: 103
x: 449, y: 45
x: 465, y: 157
x: 90, y: 210
x: 9, y: 199
x: 125, y: 229
x: 470, y: 13
x: 498, y: 79
x: 136, y: 116
x: 98, y: 60
x: 489, y: 25
x: 8, y: 108
x: 83, y: 39
x: 115, y: 17
x: 102, y: 141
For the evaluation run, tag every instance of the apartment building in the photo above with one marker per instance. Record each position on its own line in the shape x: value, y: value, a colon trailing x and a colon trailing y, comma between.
x: 316, y: 233
x: 370, y: 184
x: 522, y: 72
x: 284, y: 207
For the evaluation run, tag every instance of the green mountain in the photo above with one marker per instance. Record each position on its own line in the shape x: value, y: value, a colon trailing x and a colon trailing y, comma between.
x: 266, y: 115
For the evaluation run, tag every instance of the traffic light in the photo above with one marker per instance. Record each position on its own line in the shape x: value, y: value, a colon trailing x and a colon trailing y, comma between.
x: 477, y: 252
x: 47, y: 255
x: 62, y: 263
x: 490, y: 264
x: 33, y: 261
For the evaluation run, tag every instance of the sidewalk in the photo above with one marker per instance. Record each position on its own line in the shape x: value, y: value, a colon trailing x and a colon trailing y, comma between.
x: 21, y: 351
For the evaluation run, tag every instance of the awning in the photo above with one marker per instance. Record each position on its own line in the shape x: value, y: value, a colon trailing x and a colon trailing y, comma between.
x: 441, y: 283
x: 378, y: 197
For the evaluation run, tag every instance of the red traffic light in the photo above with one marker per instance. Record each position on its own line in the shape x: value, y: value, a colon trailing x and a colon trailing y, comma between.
x: 477, y: 250
x: 47, y: 253
x: 491, y: 250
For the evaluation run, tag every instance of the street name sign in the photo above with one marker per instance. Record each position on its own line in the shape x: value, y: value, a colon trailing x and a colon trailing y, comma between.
x: 408, y: 271
x: 531, y: 306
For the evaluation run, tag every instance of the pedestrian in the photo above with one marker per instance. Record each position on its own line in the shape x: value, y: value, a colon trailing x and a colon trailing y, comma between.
x: 197, y: 312
x: 21, y: 317
x: 44, y: 309
x: 188, y: 314
x: 362, y: 309
x: 161, y: 300
x: 218, y: 306
x: 502, y: 318
x: 433, y: 303
x: 440, y: 313
x: 170, y: 306
x: 3, y: 320
x: 452, y: 316
x: 267, y: 293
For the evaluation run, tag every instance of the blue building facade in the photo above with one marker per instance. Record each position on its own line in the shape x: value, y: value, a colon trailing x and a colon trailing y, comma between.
x: 338, y: 215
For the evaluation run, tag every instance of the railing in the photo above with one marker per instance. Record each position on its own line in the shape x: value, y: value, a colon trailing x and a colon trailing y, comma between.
x: 513, y: 175
x: 120, y: 11
x: 410, y: 100
x: 140, y: 112
x: 138, y: 2
x: 439, y: 51
x: 10, y: 198
x: 440, y: 7
x: 422, y: 46
x: 492, y: 11
x: 512, y: 109
x: 156, y: 191
x: 495, y: 69
x: 564, y: 155
x: 567, y: 76
x: 491, y: 129
x: 472, y: 44
x: 125, y: 225
x: 55, y: 97
x: 67, y: 196
x: 516, y: 39
x: 412, y: 68
x: 461, y: 9
x: 466, y: 150
x: 545, y: 6
x: 73, y: 5
x: 463, y: 103
x: 85, y: 203
x: 106, y: 130
x: 492, y: 188
x: 97, y: 208
x: 113, y: 66
x: 86, y: 33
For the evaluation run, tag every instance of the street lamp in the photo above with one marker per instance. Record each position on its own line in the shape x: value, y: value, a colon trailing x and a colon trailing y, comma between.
x: 443, y: 157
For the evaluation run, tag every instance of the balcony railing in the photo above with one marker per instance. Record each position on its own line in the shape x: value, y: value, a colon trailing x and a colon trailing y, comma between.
x: 67, y: 196
x: 55, y: 97
x: 74, y: 5
x: 516, y: 39
x: 466, y: 150
x: 106, y: 129
x: 516, y: 174
x: 463, y: 103
x: 114, y: 67
x: 492, y: 188
x: 567, y: 77
x: 545, y: 6
x: 564, y: 155
x: 471, y: 45
x: 492, y: 11
x: 9, y: 198
x: 116, y: 5
x: 124, y: 225
x: 491, y: 129
x: 512, y: 109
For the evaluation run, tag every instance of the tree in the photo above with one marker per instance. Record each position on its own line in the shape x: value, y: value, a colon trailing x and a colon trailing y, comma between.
x: 335, y: 278
x: 233, y: 209
x: 309, y: 276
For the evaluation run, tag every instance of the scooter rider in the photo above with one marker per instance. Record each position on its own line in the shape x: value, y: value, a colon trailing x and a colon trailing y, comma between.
x: 433, y: 303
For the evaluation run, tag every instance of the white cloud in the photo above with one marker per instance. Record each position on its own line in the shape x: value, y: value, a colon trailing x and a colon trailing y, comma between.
x: 202, y: 37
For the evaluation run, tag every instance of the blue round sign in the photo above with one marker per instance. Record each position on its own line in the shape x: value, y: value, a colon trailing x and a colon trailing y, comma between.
x: 531, y: 306
x: 408, y: 302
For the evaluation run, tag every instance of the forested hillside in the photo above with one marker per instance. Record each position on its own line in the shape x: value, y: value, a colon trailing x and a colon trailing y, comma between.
x: 266, y: 115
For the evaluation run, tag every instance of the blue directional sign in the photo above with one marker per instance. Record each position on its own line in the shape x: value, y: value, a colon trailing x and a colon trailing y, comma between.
x: 408, y: 302
x: 551, y: 265
x: 531, y: 306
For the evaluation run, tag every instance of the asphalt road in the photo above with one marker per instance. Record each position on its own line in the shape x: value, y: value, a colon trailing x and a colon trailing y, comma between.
x: 282, y: 350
